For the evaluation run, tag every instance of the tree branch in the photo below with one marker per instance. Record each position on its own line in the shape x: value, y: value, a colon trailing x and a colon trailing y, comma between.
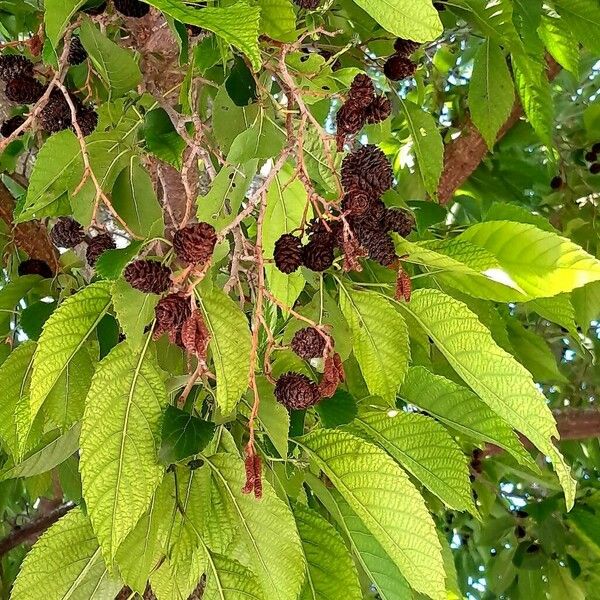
x: 463, y: 155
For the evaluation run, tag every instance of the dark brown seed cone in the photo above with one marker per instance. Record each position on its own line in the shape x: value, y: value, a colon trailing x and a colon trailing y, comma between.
x: 24, y: 90
x: 590, y: 156
x: 439, y: 6
x: 171, y: 313
x: 132, y: 8
x: 288, y: 253
x: 379, y: 110
x: 308, y: 343
x: 13, y: 66
x: 399, y: 221
x: 317, y: 255
x: 296, y: 391
x: 35, y: 266
x: 97, y: 246
x: 11, y: 125
x: 323, y: 232
x: 596, y: 148
x: 87, y: 119
x: 307, y: 4
x: 56, y: 115
x: 520, y: 532
x: 67, y: 233
x: 350, y: 119
x: 367, y: 169
x: 405, y: 47
x: 380, y: 248
x: 361, y: 91
x: 96, y: 10
x: 148, y: 276
x: 595, y: 168
x: 371, y: 220
x: 77, y: 53
x: 556, y: 183
x: 356, y: 202
x: 398, y: 67
x: 195, y: 243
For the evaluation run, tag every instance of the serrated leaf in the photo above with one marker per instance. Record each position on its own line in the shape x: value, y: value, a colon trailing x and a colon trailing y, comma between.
x: 582, y: 17
x: 497, y: 378
x: 560, y: 43
x: 554, y: 263
x: 65, y: 562
x: 385, y: 500
x: 409, y: 19
x: 286, y: 201
x: 586, y: 302
x: 183, y: 435
x: 338, y: 410
x: 57, y: 14
x: 119, y: 443
x: 64, y: 334
x: 229, y: 345
x: 262, y: 140
x: 459, y: 408
x: 278, y: 20
x: 134, y: 198
x: 237, y: 24
x: 227, y: 579
x: 115, y: 65
x: 491, y: 91
x: 58, y: 168
x: 424, y: 448
x: 162, y: 139
x: 267, y: 529
x: 331, y: 574
x: 380, y: 341
x: 134, y: 310
x: 557, y: 309
x: 10, y: 296
x: 47, y: 457
x: 427, y: 144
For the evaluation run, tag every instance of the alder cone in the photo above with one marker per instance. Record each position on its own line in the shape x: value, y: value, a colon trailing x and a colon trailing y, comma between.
x: 195, y: 335
x: 149, y: 276
x: 194, y: 244
x: 379, y: 110
x: 380, y: 247
x: 317, y: 255
x: 361, y: 91
x: 356, y: 202
x: 11, y: 125
x: 307, y: 4
x: 56, y: 115
x: 556, y: 183
x: 67, y: 233
x: 288, y: 253
x: 97, y: 246
x: 308, y: 343
x: 296, y: 391
x: 399, y: 221
x: 13, y: 66
x: 35, y: 266
x: 371, y: 220
x: 323, y: 232
x: 77, y: 53
x: 350, y: 119
x: 367, y: 169
x: 398, y: 67
x: 405, y: 47
x: 132, y: 8
x: 24, y: 90
x: 171, y: 313
x: 595, y: 168
x: 87, y: 119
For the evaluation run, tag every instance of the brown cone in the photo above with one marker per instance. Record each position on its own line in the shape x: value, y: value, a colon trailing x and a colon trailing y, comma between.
x: 171, y: 313
x: 308, y: 343
x: 288, y: 253
x: 296, y: 391
x: 97, y: 246
x: 195, y: 243
x: 148, y: 276
x: 67, y: 233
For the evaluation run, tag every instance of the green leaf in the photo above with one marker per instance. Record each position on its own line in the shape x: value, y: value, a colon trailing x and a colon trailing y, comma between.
x: 230, y: 120
x: 495, y: 376
x: 278, y: 20
x: 385, y: 500
x: 237, y: 24
x: 410, y: 19
x: 267, y: 529
x: 586, y: 302
x: 424, y: 448
x: 554, y: 264
x: 286, y: 202
x: 64, y: 334
x: 227, y: 579
x: 491, y: 91
x: 459, y: 408
x: 560, y: 43
x: 58, y: 168
x: 115, y: 65
x: 162, y: 139
x: 47, y: 457
x: 338, y: 410
x: 331, y: 574
x: 134, y: 310
x: 65, y: 563
x: 57, y: 14
x: 133, y: 197
x: 262, y: 140
x: 582, y: 17
x: 119, y: 443
x: 227, y: 192
x: 557, y: 309
x: 427, y: 144
x: 111, y: 263
x: 380, y: 341
x: 183, y: 435
x: 15, y: 373
x: 230, y: 346
x: 10, y: 296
